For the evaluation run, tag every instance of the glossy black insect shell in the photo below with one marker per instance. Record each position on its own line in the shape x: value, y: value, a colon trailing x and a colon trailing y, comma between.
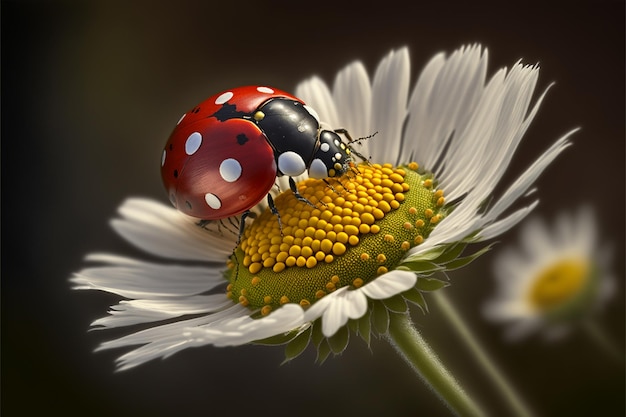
x: 333, y: 153
x: 289, y: 127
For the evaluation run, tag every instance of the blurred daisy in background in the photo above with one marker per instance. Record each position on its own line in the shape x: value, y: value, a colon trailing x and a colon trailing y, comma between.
x: 558, y: 277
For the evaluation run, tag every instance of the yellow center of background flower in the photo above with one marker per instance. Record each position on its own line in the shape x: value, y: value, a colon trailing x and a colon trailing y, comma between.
x: 358, y: 227
x: 559, y: 284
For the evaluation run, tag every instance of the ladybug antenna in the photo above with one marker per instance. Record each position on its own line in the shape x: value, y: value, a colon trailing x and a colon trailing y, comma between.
x: 359, y: 140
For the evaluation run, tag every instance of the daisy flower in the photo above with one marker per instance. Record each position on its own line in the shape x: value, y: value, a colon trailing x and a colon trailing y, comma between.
x: 371, y: 241
x: 556, y: 278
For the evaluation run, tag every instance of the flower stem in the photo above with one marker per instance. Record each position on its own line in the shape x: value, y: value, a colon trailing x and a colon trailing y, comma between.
x: 602, y: 340
x: 410, y: 344
x: 518, y: 407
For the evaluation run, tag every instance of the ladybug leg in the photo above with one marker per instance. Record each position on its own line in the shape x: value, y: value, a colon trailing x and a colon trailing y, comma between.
x: 274, y: 210
x: 351, y: 141
x: 242, y: 225
x: 336, y: 191
x: 296, y: 193
x: 203, y: 223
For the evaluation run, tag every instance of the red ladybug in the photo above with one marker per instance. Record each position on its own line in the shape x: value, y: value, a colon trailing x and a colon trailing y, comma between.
x: 224, y: 155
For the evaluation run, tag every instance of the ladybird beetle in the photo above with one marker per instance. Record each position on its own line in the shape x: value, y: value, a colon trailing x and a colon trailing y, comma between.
x: 224, y: 155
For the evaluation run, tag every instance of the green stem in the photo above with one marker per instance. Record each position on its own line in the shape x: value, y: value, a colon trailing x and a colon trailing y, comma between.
x: 409, y: 343
x: 602, y: 340
x: 518, y: 406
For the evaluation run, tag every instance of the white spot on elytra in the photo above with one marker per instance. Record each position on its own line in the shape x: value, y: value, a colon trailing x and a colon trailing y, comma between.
x: 291, y: 164
x: 193, y: 143
x: 265, y: 90
x: 324, y: 147
x: 338, y: 156
x: 230, y: 170
x: 224, y: 97
x: 213, y: 201
x: 318, y: 169
x: 312, y: 112
x: 163, y: 157
x: 181, y: 119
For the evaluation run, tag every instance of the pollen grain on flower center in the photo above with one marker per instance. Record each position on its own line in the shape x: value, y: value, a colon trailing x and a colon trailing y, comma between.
x: 358, y: 227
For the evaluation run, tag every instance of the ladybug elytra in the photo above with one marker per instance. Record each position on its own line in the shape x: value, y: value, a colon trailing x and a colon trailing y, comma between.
x: 224, y: 155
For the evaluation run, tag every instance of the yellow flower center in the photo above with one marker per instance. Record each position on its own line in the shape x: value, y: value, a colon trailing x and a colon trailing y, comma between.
x: 358, y: 227
x: 560, y: 284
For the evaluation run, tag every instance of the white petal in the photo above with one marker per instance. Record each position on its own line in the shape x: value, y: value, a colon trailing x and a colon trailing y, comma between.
x: 535, y: 238
x: 585, y: 226
x: 229, y: 327
x: 524, y: 182
x: 389, y: 284
x: 390, y: 91
x: 522, y: 328
x: 469, y: 148
x: 509, y: 268
x: 503, y: 225
x: 442, y: 102
x: 320, y: 306
x: 315, y: 93
x: 242, y: 330
x: 352, y: 94
x: 506, y: 310
x: 163, y: 333
x: 343, y: 304
x: 163, y: 231
x: 137, y: 279
x: 492, y: 134
x: 128, y: 313
x: 347, y: 305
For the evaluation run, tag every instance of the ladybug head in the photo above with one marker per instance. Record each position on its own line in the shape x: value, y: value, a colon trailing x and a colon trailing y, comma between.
x: 332, y: 158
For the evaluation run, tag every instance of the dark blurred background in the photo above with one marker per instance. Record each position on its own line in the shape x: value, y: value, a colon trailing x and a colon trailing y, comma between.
x: 90, y: 92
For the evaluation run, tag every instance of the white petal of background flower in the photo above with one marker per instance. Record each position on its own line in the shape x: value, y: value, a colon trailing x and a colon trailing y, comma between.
x: 541, y: 247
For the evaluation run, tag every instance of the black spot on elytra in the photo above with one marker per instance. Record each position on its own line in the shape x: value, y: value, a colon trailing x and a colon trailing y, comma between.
x: 175, y: 173
x: 171, y: 146
x: 195, y: 110
x: 242, y: 138
x: 188, y: 204
x: 228, y: 111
